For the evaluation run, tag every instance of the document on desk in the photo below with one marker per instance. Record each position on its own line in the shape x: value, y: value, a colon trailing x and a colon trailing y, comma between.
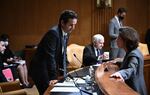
x: 67, y: 84
x: 65, y: 89
x: 71, y: 83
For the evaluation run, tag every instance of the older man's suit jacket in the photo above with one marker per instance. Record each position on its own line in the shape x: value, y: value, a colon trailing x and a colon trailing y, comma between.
x: 48, y: 57
x: 89, y: 56
x: 132, y: 71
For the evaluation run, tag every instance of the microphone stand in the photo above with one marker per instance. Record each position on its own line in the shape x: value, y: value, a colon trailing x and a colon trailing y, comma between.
x: 76, y: 85
x: 71, y: 77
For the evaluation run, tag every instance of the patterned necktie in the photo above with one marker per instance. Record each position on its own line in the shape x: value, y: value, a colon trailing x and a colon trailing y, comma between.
x: 98, y: 52
x: 99, y: 57
x: 64, y: 55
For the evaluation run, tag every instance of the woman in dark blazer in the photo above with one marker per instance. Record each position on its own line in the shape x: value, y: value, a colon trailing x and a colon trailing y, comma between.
x: 131, y: 70
x: 2, y: 49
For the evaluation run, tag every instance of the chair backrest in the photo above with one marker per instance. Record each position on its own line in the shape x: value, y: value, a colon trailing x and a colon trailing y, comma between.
x: 10, y: 86
x: 75, y: 55
x: 143, y: 48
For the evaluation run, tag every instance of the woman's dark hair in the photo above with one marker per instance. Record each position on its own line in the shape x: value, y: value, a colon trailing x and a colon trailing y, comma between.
x: 130, y: 37
x: 4, y: 37
x: 66, y: 15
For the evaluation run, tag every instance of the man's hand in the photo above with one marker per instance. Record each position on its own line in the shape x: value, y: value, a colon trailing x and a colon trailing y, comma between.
x: 52, y: 82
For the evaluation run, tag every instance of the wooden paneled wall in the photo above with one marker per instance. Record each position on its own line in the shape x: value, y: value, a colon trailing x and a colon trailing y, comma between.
x: 26, y: 21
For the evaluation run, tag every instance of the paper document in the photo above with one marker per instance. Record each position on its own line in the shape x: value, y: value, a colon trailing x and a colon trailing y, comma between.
x: 80, y: 81
x: 65, y: 89
x: 65, y: 84
x: 76, y: 80
x: 97, y: 65
x: 20, y: 62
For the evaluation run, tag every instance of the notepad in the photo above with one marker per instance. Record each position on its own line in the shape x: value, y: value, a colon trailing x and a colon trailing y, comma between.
x: 65, y: 89
x: 67, y: 84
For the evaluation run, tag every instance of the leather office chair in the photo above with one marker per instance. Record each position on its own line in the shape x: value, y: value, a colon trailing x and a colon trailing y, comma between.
x: 143, y: 48
x: 74, y: 56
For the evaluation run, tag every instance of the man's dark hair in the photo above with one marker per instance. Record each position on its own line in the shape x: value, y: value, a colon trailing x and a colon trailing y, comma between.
x: 121, y: 10
x: 66, y: 15
x: 4, y: 37
x: 130, y: 37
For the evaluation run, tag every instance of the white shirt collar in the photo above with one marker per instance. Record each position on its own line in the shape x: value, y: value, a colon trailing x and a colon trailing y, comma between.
x: 117, y: 20
x: 95, y: 49
x: 64, y: 33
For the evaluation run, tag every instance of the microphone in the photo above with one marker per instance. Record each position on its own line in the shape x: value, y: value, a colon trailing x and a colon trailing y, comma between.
x: 71, y: 77
x: 77, y: 58
x: 76, y: 85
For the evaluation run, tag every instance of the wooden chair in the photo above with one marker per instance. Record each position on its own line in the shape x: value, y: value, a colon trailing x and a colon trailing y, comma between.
x: 144, y: 49
x: 74, y: 56
x: 11, y: 88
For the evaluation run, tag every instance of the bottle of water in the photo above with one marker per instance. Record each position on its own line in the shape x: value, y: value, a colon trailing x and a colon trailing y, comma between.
x: 91, y: 73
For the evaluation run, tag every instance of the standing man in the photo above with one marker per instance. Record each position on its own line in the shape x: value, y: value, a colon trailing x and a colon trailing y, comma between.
x: 49, y: 57
x: 114, y: 25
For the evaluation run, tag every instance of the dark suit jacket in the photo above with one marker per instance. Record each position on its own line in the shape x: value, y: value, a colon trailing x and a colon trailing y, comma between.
x: 2, y: 77
x: 89, y: 56
x: 132, y: 71
x: 48, y: 57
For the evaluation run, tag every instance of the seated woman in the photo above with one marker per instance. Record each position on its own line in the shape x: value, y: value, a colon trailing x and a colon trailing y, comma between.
x: 2, y: 48
x: 10, y: 58
x: 131, y: 69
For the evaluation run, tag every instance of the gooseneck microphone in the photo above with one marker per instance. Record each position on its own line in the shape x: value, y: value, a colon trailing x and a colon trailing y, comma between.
x: 77, y: 58
x: 81, y: 90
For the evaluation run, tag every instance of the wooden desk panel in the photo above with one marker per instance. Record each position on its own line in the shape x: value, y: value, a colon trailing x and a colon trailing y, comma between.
x: 107, y: 84
x: 147, y: 72
x: 111, y: 86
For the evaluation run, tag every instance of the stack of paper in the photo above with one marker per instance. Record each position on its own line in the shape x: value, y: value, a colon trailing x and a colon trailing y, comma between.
x: 65, y: 89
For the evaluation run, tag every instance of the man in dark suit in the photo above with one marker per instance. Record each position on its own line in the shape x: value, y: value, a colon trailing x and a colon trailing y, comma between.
x: 93, y: 53
x: 49, y: 57
x: 114, y: 25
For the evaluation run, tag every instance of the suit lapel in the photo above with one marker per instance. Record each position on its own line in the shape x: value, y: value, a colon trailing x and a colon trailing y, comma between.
x: 93, y: 51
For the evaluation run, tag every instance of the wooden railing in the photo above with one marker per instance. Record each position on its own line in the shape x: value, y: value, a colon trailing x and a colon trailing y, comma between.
x: 111, y: 86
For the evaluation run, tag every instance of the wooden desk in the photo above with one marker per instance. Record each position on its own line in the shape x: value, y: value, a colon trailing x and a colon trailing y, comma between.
x: 147, y: 72
x: 111, y: 86
x: 106, y: 83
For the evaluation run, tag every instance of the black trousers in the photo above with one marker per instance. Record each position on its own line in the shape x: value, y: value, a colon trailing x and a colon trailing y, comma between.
x: 40, y: 83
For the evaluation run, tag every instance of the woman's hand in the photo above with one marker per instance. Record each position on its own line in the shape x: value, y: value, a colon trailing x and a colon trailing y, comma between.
x: 118, y: 76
